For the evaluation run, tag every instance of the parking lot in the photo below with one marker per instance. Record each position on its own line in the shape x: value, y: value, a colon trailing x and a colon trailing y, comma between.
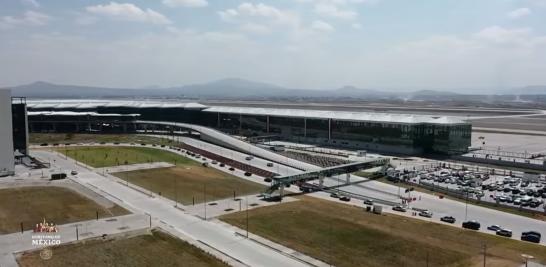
x: 509, y: 189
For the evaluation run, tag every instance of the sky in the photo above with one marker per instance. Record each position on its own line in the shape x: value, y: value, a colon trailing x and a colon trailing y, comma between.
x: 313, y: 44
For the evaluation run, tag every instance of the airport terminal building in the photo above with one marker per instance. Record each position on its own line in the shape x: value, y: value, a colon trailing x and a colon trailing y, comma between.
x: 380, y: 132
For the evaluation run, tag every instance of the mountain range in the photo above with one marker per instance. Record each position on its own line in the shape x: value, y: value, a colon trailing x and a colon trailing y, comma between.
x: 234, y: 88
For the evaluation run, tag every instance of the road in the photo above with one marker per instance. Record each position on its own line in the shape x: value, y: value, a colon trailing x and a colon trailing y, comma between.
x: 213, y: 234
x: 375, y: 189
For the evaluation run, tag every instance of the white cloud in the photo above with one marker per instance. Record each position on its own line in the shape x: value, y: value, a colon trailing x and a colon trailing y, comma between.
x: 128, y: 12
x: 186, y: 3
x: 29, y: 18
x: 497, y: 34
x: 356, y: 26
x: 259, y: 11
x: 255, y: 28
x: 518, y: 13
x: 319, y: 25
x: 32, y: 3
x: 332, y: 10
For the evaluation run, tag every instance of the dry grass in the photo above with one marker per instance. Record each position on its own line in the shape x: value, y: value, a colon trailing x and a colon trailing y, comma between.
x: 348, y: 236
x: 106, y: 156
x: 186, y: 183
x: 156, y: 249
x: 30, y: 205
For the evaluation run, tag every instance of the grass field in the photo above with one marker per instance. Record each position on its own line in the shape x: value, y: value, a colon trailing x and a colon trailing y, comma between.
x: 348, y: 236
x: 183, y: 183
x: 100, y: 156
x: 60, y: 138
x: 31, y: 205
x: 156, y: 249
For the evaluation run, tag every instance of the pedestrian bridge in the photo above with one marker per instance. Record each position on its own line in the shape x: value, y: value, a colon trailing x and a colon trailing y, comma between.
x: 281, y: 181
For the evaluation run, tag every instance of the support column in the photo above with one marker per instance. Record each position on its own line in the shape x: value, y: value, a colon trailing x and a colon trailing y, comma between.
x: 348, y: 178
x: 321, y: 181
x: 329, y: 129
x: 267, y: 124
x: 240, y: 123
x: 304, y: 127
x: 281, y: 192
x: 218, y: 121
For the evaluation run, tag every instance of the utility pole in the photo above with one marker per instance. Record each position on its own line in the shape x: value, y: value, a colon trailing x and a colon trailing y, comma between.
x: 484, y: 253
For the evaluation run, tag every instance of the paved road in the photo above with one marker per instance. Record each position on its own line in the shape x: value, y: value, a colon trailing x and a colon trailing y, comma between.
x: 439, y: 207
x: 213, y: 234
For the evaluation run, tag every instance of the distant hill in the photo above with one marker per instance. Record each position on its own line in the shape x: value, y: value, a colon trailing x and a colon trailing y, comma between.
x: 531, y: 90
x: 234, y: 88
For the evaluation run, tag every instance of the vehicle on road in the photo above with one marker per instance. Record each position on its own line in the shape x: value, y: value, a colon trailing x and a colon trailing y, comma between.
x: 249, y: 158
x: 231, y: 168
x: 334, y: 195
x: 494, y: 227
x: 368, y: 202
x: 505, y: 232
x: 345, y: 198
x: 74, y: 172
x: 214, y: 162
x: 473, y: 225
x: 425, y: 213
x: 268, y: 180
x: 531, y: 236
x: 269, y: 164
x: 399, y: 208
x: 448, y: 219
x: 222, y: 164
x: 248, y: 174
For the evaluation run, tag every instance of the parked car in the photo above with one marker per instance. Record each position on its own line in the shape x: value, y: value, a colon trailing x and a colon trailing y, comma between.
x: 334, y: 195
x: 268, y: 180
x: 269, y: 164
x: 474, y: 225
x: 531, y: 236
x: 231, y: 168
x: 368, y: 202
x: 448, y: 219
x: 399, y: 208
x: 505, y: 232
x: 345, y: 198
x: 249, y: 158
x: 248, y: 174
x: 74, y: 172
x: 425, y: 213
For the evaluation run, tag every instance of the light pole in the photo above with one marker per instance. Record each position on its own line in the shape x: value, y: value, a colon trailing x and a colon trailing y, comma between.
x: 466, y: 206
x: 205, y: 199
x: 246, y: 200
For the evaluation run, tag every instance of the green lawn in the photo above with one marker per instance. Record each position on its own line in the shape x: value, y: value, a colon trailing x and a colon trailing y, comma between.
x: 348, y: 236
x: 187, y: 183
x: 70, y: 138
x: 119, y: 155
x: 155, y: 249
x: 30, y: 205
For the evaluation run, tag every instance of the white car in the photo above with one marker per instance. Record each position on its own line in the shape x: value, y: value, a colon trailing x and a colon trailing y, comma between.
x: 425, y: 213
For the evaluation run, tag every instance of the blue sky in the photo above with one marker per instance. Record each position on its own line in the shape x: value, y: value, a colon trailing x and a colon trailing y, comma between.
x: 390, y: 44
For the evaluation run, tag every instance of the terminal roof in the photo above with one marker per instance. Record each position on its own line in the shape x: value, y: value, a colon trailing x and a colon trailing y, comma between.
x: 340, y: 115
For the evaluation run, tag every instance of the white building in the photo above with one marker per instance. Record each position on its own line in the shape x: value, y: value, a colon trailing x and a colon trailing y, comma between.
x: 7, y: 161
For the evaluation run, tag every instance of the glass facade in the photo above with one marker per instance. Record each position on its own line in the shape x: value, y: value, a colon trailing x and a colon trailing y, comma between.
x: 405, y: 138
